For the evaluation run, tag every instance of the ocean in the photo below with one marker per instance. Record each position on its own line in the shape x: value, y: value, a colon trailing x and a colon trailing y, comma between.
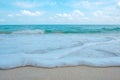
x: 59, y: 45
x: 8, y: 29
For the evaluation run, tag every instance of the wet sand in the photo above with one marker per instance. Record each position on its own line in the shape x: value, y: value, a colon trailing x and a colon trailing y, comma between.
x: 62, y: 73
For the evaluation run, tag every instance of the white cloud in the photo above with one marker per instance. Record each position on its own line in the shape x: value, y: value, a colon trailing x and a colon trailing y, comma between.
x: 105, y: 16
x: 25, y: 4
x: 74, y: 14
x: 34, y: 4
x: 64, y: 15
x: 26, y: 13
x: 119, y: 3
x: 78, y: 13
x: 93, y: 11
x: 87, y: 4
x: 29, y: 13
x: 99, y: 13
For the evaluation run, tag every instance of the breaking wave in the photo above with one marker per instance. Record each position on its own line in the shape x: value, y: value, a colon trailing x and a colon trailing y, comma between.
x: 58, y: 29
x: 58, y: 50
x: 29, y: 32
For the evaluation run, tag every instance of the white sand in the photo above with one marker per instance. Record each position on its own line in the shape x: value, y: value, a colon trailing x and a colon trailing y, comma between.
x: 64, y: 73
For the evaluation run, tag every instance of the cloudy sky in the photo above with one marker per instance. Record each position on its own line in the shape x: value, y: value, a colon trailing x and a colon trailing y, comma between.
x: 59, y: 11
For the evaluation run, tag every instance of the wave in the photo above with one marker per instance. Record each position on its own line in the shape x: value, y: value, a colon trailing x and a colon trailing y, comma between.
x: 15, y: 60
x: 63, y: 50
x: 29, y: 32
x: 99, y: 30
x: 63, y: 30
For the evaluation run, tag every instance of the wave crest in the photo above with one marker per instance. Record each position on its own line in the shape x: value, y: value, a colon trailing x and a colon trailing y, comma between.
x: 29, y: 32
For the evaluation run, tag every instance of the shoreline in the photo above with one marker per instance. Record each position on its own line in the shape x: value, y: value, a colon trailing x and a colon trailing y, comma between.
x: 58, y: 67
x: 61, y: 73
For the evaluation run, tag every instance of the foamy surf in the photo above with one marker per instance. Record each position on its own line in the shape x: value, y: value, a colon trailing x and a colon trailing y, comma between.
x: 40, y: 29
x: 56, y: 50
x: 29, y: 32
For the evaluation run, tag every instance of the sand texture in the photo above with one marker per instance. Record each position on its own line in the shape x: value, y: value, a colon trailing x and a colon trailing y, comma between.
x: 64, y: 73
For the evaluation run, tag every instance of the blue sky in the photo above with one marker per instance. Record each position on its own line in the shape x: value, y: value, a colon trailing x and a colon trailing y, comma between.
x: 59, y: 11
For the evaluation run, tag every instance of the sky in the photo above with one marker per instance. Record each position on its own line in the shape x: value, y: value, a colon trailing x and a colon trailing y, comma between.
x: 59, y: 12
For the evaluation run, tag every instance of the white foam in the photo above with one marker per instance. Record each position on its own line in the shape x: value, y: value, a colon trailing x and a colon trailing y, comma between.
x: 55, y: 50
x: 29, y: 32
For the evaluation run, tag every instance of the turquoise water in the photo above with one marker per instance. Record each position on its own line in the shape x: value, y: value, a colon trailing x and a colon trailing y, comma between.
x: 85, y: 45
x: 7, y: 29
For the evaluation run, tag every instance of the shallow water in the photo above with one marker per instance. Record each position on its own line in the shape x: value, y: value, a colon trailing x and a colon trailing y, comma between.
x: 56, y: 49
x: 51, y: 50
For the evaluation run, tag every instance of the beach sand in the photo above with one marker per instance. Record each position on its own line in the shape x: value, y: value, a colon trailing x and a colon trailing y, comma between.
x: 62, y: 73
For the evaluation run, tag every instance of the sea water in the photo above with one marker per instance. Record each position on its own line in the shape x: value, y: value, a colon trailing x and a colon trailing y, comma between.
x: 59, y: 45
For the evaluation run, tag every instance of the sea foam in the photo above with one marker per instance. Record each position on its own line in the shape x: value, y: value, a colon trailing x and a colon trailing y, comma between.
x: 29, y: 32
x: 56, y: 50
x: 38, y: 29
